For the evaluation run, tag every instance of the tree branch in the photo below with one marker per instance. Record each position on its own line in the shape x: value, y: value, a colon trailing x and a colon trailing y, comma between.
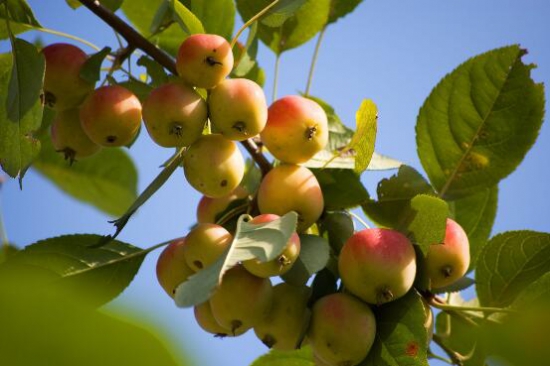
x: 136, y: 40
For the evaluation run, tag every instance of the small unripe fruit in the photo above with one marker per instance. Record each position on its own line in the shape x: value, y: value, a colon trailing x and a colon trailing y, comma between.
x: 238, y: 108
x: 69, y: 138
x: 171, y: 267
x: 448, y: 262
x: 377, y: 265
x: 63, y: 86
x: 342, y: 330
x: 214, y: 165
x: 242, y: 300
x: 291, y: 188
x: 209, y: 208
x: 206, y: 320
x: 283, y: 262
x: 204, y: 60
x: 205, y: 244
x: 174, y: 115
x: 296, y: 129
x: 288, y: 318
x: 111, y: 116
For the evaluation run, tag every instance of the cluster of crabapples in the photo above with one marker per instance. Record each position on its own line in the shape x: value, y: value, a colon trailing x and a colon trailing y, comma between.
x: 375, y: 266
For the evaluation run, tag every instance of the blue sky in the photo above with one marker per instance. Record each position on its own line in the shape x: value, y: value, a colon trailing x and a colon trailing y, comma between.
x: 393, y: 52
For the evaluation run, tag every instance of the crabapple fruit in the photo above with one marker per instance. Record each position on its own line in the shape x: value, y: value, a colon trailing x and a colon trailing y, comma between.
x: 238, y: 108
x: 283, y: 262
x: 377, y: 265
x: 204, y: 60
x: 174, y: 115
x: 111, y: 116
x: 291, y: 188
x: 204, y: 244
x: 213, y: 165
x: 69, y: 138
x: 172, y: 269
x: 296, y: 129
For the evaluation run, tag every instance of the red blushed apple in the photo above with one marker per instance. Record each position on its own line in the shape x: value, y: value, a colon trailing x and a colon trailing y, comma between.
x: 111, y: 116
x: 449, y: 261
x: 68, y: 137
x: 204, y: 60
x: 283, y: 262
x: 377, y: 265
x: 63, y: 86
x: 296, y: 129
x: 174, y: 115
x: 205, y: 243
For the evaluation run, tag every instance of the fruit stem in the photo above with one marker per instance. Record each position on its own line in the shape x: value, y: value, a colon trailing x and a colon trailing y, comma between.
x: 276, y: 77
x: 455, y: 357
x: 314, y: 60
x: 69, y: 36
x: 358, y: 218
x: 252, y: 20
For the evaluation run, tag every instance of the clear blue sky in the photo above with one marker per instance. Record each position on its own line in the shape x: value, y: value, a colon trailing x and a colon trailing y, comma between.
x: 391, y: 51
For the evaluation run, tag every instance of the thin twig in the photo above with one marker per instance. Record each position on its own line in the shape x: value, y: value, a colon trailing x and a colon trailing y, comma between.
x: 455, y: 357
x: 314, y: 60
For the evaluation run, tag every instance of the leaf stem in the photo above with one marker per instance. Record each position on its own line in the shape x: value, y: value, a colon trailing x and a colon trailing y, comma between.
x: 252, y: 20
x: 136, y: 40
x: 482, y: 309
x: 276, y: 77
x: 455, y: 357
x: 68, y: 36
x: 358, y: 218
x: 314, y: 60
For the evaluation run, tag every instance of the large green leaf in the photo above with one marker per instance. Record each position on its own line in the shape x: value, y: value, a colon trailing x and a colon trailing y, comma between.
x: 280, y: 12
x: 263, y: 241
x: 300, y: 357
x: 107, y: 180
x: 20, y: 15
x: 426, y: 221
x: 188, y: 22
x: 479, y: 122
x: 217, y: 16
x: 342, y: 188
x: 303, y: 25
x: 395, y: 195
x: 509, y: 263
x: 476, y: 214
x: 56, y: 329
x: 19, y: 118
x: 401, y: 338
x: 72, y: 266
x: 341, y: 8
x: 362, y: 142
x: 314, y: 255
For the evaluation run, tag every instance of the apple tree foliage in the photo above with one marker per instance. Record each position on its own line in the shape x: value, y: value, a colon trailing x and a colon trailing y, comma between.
x: 472, y: 131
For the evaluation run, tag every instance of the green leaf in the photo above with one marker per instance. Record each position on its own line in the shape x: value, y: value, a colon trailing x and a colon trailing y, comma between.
x: 263, y: 241
x: 154, y: 70
x: 341, y: 8
x: 395, y: 195
x: 362, y: 142
x: 428, y: 221
x: 314, y: 255
x: 459, y: 285
x: 20, y: 15
x: 18, y: 146
x: 279, y: 13
x: 112, y: 5
x: 536, y: 292
x: 6, y: 251
x: 476, y: 214
x: 338, y: 227
x: 303, y: 25
x: 106, y: 180
x: 479, y: 122
x: 401, y: 338
x: 188, y: 22
x: 509, y: 263
x: 67, y: 264
x: 91, y: 70
x: 252, y: 177
x: 140, y: 89
x: 26, y: 79
x: 299, y: 357
x: 245, y: 57
x: 217, y: 16
x: 382, y: 162
x: 342, y: 188
x: 324, y: 284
